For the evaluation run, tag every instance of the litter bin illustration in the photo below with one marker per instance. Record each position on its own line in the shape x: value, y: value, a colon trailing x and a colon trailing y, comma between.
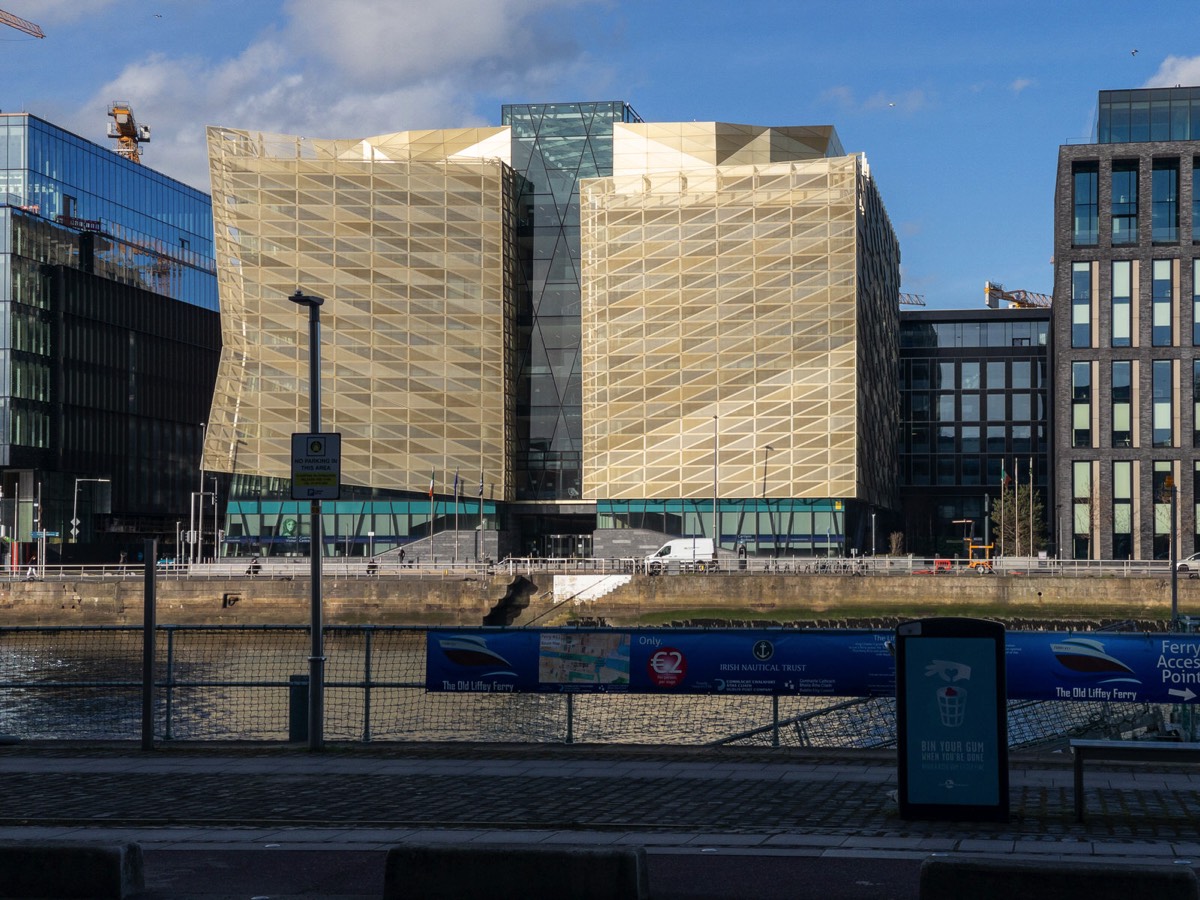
x: 952, y: 720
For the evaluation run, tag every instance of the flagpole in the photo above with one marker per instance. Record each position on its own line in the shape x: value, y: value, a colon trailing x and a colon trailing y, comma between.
x: 479, y: 540
x: 456, y: 517
x: 1031, y: 544
x: 1003, y: 478
x: 1016, y: 510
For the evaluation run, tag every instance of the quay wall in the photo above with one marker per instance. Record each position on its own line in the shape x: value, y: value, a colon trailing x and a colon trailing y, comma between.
x: 544, y: 599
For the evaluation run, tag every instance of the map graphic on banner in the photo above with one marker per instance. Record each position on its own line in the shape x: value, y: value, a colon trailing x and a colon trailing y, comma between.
x: 1075, y: 666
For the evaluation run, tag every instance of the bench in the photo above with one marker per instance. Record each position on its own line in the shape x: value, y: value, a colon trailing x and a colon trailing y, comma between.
x: 1170, y: 752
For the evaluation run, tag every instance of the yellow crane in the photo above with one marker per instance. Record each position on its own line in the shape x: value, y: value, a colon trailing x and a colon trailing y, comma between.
x: 21, y: 24
x: 995, y: 294
x: 128, y: 133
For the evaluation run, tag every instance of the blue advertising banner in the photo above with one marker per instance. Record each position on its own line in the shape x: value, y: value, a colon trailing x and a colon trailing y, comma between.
x: 1117, y: 668
x: 1088, y: 666
x: 817, y: 663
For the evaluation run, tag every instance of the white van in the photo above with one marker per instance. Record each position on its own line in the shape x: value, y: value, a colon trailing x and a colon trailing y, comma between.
x: 687, y: 553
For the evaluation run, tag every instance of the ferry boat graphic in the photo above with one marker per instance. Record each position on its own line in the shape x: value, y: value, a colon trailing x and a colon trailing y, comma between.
x: 1087, y: 655
x: 468, y: 650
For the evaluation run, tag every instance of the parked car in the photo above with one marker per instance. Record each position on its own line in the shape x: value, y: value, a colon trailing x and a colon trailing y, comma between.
x: 1189, y: 564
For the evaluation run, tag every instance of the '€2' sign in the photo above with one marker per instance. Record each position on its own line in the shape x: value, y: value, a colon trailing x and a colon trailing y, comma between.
x: 667, y: 667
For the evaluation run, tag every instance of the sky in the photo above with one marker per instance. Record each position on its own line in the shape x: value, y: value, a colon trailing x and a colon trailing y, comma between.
x: 960, y: 106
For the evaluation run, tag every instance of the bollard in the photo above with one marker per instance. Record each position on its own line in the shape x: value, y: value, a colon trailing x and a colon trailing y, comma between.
x: 298, y: 708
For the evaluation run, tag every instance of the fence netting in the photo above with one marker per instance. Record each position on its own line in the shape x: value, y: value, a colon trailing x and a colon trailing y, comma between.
x: 216, y: 683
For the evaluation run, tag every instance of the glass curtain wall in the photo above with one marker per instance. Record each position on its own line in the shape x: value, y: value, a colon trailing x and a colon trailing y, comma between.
x: 553, y: 146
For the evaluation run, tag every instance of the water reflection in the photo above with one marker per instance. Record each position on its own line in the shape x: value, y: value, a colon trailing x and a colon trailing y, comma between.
x: 234, y: 684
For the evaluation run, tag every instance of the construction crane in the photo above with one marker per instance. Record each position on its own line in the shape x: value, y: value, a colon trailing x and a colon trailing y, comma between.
x: 995, y: 294
x: 127, y: 131
x: 912, y: 299
x: 21, y: 24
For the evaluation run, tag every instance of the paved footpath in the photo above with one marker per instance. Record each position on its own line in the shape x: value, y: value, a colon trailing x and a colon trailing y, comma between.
x: 280, y: 820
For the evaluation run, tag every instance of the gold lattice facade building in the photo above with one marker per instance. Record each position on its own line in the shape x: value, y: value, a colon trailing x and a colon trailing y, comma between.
x: 409, y: 237
x: 739, y: 307
x: 735, y: 322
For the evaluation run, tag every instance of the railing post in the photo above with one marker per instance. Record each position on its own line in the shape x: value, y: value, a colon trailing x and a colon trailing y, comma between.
x: 170, y: 685
x: 150, y: 552
x: 570, y: 718
x: 774, y: 720
x: 367, y: 644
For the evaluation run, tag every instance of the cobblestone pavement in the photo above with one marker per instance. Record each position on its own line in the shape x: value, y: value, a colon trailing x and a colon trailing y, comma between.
x: 746, y: 795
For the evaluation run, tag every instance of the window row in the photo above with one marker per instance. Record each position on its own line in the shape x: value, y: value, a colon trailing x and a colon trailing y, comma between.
x: 1126, y: 305
x: 1125, y: 207
x: 970, y: 406
x: 1088, y: 516
x: 1133, y: 388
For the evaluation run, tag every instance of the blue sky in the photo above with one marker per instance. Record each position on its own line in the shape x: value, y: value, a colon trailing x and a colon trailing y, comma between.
x: 960, y: 107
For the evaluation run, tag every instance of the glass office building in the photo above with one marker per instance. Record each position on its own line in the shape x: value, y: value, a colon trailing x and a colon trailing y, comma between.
x: 108, y: 343
x: 974, y: 389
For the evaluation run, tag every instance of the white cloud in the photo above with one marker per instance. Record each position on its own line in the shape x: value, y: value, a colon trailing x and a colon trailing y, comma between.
x: 345, y: 70
x: 1176, y: 70
x: 1021, y: 84
x: 905, y: 101
x: 375, y: 41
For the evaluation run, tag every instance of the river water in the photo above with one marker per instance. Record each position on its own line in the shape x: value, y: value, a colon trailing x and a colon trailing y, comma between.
x: 236, y: 684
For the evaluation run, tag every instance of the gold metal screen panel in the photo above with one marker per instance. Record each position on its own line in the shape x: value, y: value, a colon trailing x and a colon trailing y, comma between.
x: 409, y: 238
x: 727, y: 292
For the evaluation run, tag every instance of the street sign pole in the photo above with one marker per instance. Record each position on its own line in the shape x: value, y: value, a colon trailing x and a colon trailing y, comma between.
x: 316, y: 659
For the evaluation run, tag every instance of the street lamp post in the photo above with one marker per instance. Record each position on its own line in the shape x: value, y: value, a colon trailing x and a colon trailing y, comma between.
x: 316, y: 659
x: 716, y: 514
x: 75, y: 506
x: 1169, y: 490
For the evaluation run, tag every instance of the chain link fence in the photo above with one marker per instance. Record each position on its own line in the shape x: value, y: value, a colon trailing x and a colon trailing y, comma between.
x: 225, y: 683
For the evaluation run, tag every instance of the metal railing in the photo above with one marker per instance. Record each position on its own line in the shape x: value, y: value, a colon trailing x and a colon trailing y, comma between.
x: 391, y: 567
x: 214, y: 683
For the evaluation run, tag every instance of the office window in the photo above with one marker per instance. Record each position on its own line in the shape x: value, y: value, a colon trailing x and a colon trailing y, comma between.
x: 1122, y: 303
x: 1162, y: 403
x: 1086, y: 178
x: 1124, y: 201
x: 1022, y: 376
x: 1161, y: 298
x: 996, y: 439
x: 970, y: 439
x: 1196, y: 403
x: 1164, y: 201
x: 1196, y: 302
x: 1122, y: 509
x: 995, y: 375
x: 1162, y: 488
x: 970, y: 407
x: 1081, y: 508
x: 1122, y: 403
x: 1081, y: 304
x: 1081, y: 404
x: 996, y: 411
x: 970, y: 376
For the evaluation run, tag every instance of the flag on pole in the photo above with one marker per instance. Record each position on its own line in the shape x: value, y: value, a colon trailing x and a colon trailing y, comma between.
x: 481, y: 482
x: 431, y: 484
x: 1003, y: 474
x: 456, y: 484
